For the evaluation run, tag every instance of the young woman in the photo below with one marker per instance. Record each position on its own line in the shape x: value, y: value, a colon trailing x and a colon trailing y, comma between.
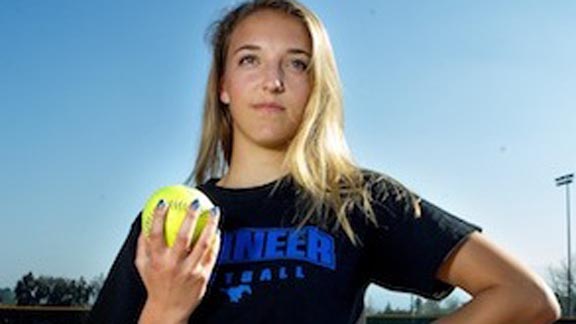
x: 302, y: 230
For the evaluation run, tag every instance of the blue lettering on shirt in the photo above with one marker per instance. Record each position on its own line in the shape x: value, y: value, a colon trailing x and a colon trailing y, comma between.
x: 262, y: 244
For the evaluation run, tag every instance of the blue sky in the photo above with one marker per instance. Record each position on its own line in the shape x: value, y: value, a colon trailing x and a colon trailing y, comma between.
x: 470, y: 104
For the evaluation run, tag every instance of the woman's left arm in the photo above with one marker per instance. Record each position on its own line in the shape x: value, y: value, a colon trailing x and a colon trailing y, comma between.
x: 502, y: 289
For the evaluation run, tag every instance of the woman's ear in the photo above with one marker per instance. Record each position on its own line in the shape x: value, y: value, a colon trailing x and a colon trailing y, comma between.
x: 224, y: 97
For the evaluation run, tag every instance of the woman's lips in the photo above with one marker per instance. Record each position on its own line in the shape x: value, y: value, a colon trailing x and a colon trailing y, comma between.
x: 269, y: 106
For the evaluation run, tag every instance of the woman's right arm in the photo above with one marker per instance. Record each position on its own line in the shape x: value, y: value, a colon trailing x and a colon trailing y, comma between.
x: 176, y: 277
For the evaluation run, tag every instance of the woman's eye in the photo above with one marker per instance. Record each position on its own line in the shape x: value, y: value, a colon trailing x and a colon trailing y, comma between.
x: 299, y: 65
x: 248, y: 59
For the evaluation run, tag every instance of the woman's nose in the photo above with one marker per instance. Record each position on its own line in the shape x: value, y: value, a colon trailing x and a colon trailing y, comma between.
x: 274, y: 79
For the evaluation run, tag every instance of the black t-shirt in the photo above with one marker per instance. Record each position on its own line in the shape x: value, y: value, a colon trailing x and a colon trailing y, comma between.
x: 271, y: 271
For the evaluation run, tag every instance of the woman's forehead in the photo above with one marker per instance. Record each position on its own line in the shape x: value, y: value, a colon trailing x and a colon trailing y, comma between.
x: 268, y: 29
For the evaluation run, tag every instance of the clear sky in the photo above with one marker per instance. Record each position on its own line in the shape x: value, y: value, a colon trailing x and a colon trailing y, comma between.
x: 472, y: 104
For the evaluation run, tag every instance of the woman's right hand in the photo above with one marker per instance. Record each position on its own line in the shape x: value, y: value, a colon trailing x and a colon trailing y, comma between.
x: 176, y: 277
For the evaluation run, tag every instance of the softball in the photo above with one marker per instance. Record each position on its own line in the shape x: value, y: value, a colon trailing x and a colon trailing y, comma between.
x: 178, y: 198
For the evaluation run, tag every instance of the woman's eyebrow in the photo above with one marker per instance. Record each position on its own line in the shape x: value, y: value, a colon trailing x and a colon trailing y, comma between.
x: 257, y: 48
x: 298, y: 51
x: 246, y: 47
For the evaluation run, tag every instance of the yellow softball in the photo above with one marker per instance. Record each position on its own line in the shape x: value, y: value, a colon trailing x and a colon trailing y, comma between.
x: 178, y: 198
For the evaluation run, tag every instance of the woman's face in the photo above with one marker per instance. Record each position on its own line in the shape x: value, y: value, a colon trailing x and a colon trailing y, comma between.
x: 265, y: 81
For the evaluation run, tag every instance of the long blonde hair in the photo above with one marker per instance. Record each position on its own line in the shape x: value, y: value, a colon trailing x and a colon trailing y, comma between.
x: 318, y: 159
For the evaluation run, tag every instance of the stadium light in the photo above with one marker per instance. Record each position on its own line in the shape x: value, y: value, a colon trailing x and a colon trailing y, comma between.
x: 566, y: 180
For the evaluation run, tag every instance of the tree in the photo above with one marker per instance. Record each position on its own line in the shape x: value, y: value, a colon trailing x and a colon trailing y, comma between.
x: 46, y: 290
x: 558, y: 281
x: 96, y: 283
x: 418, y: 305
x: 25, y: 290
x: 7, y: 296
x: 429, y: 307
x: 388, y: 308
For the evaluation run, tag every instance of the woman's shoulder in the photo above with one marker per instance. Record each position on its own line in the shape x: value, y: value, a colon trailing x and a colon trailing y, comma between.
x: 390, y: 195
x: 382, y: 184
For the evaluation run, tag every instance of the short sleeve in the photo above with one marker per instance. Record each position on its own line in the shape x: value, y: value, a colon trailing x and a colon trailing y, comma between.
x: 405, y: 250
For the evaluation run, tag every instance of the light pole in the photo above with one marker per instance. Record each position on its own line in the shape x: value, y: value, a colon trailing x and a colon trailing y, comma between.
x: 566, y: 180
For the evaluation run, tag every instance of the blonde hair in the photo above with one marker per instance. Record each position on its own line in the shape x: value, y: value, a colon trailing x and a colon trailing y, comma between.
x: 318, y: 159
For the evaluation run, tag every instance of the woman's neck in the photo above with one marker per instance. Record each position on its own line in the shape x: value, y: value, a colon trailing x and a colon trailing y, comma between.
x: 250, y: 168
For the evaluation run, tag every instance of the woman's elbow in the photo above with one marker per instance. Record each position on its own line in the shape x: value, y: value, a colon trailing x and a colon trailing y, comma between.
x: 546, y: 307
x: 549, y: 311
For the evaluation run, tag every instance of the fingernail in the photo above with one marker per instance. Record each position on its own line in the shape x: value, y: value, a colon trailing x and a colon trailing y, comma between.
x: 195, y: 204
x: 161, y: 204
x: 215, y: 211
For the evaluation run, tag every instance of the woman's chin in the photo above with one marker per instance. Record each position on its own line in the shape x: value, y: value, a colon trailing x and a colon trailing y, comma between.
x: 273, y: 142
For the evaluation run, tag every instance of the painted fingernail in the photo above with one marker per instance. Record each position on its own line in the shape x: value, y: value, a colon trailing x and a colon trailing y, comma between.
x: 195, y: 204
x: 161, y: 204
x: 215, y: 211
